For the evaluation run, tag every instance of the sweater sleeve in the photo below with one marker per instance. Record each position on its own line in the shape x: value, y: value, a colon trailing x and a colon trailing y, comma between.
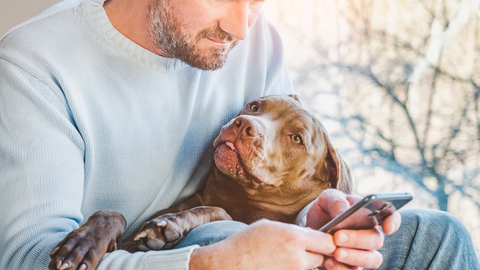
x: 41, y: 161
x: 301, y: 219
x: 42, y: 177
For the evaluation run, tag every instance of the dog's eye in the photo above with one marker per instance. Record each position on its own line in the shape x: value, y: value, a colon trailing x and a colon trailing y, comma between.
x: 254, y: 107
x: 296, y: 139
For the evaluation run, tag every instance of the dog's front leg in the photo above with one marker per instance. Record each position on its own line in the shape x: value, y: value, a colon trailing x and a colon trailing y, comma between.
x: 166, y: 231
x: 84, y: 247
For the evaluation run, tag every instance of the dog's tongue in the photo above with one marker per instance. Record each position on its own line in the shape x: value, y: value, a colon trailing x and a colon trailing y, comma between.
x: 231, y: 145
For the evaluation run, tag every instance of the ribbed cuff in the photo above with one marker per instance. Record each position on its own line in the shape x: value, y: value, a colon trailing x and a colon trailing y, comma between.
x: 176, y: 259
x: 301, y: 219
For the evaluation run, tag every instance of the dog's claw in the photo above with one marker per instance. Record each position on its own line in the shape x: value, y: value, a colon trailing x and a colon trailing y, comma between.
x: 140, y: 235
x: 54, y: 251
x: 64, y: 266
x: 162, y: 223
x: 143, y: 248
x: 59, y: 264
x: 112, y: 246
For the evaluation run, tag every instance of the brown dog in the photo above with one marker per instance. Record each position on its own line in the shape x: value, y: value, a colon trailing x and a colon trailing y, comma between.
x: 271, y: 160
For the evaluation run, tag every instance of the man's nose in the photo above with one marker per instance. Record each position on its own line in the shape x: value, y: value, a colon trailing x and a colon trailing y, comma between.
x: 238, y: 19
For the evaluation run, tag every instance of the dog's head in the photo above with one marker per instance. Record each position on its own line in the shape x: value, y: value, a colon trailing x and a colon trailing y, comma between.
x: 279, y: 152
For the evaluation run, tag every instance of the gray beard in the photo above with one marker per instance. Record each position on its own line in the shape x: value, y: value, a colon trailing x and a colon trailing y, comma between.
x: 171, y: 36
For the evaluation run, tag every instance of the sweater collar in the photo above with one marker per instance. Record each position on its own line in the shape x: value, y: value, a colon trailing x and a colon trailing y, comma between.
x: 96, y: 16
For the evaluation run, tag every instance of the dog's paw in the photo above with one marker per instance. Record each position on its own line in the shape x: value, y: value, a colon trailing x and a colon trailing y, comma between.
x: 84, y: 247
x: 79, y: 250
x: 162, y: 232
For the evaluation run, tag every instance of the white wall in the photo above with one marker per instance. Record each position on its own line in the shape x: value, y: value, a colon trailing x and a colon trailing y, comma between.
x: 13, y: 12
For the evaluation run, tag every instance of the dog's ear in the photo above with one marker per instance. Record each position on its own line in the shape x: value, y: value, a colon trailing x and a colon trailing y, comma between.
x: 340, y: 176
x: 295, y: 97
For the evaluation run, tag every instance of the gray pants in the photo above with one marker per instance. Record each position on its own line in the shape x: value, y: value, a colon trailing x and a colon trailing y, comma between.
x: 427, y: 239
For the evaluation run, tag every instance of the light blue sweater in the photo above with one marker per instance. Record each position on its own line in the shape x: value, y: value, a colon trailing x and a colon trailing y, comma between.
x: 90, y: 120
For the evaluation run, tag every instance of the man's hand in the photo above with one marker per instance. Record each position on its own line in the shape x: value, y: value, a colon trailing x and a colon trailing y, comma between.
x: 266, y: 245
x: 356, y: 248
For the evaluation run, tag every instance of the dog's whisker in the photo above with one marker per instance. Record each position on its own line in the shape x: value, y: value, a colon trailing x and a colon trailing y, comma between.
x: 280, y: 190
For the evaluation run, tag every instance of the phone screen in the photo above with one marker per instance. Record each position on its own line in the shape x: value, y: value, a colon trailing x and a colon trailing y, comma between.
x: 369, y: 212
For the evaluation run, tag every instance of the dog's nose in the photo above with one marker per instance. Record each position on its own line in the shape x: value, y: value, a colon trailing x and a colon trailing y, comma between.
x: 247, y: 127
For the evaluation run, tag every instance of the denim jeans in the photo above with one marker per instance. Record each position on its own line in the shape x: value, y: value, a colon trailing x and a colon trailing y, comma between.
x: 427, y: 239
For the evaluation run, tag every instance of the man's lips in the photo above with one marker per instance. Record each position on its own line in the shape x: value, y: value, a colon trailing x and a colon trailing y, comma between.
x: 222, y: 43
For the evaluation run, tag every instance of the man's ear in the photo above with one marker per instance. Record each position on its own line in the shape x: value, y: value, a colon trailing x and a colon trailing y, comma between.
x: 340, y: 176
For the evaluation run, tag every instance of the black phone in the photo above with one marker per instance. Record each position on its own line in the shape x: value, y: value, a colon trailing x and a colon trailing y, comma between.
x: 368, y: 212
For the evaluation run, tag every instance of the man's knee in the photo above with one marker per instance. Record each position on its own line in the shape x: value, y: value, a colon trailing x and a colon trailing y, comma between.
x: 429, y: 239
x: 211, y: 233
x: 441, y: 239
x: 438, y: 222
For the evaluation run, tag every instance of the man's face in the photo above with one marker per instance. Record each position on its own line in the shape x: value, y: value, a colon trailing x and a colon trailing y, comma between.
x: 201, y: 33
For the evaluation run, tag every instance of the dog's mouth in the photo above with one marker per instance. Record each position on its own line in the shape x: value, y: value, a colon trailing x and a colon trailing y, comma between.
x: 229, y: 161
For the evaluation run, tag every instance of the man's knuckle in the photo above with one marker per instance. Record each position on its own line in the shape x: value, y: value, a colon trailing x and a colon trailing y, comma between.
x: 265, y: 226
x: 263, y: 223
x: 338, y: 203
x: 292, y: 240
x: 330, y: 243
x: 378, y: 260
x: 317, y: 261
x: 378, y: 240
x: 378, y: 246
x: 299, y: 264
x: 331, y: 249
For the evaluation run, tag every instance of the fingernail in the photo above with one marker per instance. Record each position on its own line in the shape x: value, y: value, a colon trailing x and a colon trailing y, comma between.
x: 343, y: 237
x: 54, y: 250
x: 328, y: 264
x: 64, y: 266
x: 393, y: 228
x: 83, y: 267
x: 343, y: 254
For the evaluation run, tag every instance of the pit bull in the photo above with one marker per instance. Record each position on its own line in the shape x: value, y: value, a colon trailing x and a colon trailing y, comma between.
x: 271, y: 160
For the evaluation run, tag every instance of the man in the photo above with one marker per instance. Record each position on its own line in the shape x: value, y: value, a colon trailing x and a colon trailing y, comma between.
x: 114, y: 105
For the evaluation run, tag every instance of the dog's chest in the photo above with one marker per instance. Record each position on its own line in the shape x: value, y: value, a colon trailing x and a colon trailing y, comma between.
x: 243, y: 209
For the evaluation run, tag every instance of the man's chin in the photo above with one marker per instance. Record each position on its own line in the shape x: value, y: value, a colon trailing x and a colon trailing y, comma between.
x: 210, y: 63
x: 207, y: 56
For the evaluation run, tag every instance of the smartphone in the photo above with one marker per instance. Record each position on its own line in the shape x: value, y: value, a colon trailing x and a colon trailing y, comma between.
x: 368, y: 212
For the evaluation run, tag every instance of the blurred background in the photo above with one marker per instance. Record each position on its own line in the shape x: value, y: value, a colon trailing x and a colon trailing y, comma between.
x: 397, y: 85
x: 395, y: 82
